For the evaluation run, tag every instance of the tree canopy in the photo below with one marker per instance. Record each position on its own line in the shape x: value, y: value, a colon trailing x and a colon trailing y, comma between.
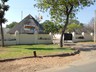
x: 50, y: 26
x: 63, y: 10
x: 58, y: 9
x: 73, y: 27
x: 11, y: 25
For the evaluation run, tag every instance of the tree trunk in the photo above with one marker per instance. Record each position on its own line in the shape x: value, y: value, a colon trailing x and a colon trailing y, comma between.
x: 63, y: 31
x: 2, y: 36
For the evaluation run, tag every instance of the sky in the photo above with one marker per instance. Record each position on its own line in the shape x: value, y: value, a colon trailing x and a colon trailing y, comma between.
x: 26, y: 7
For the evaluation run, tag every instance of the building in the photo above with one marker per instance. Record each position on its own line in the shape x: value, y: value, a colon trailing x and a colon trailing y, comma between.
x: 27, y: 26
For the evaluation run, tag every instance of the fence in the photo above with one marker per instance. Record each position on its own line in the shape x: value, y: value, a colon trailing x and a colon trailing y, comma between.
x: 82, y: 37
x: 75, y: 37
x: 17, y: 38
x: 56, y: 38
x: 9, y: 39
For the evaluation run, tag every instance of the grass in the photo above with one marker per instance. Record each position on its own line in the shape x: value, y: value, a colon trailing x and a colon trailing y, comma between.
x: 27, y: 50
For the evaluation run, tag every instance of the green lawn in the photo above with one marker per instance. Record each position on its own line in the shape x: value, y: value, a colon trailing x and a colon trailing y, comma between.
x: 27, y: 50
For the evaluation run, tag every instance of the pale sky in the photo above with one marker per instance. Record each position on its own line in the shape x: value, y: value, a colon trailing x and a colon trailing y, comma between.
x: 27, y: 6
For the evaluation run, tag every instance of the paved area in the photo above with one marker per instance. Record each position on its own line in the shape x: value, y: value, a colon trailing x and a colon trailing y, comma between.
x: 90, y: 67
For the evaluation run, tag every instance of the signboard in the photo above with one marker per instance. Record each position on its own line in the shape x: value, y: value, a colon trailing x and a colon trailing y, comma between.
x: 29, y: 27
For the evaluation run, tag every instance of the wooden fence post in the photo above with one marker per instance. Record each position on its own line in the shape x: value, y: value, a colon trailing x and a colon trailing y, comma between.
x: 34, y: 53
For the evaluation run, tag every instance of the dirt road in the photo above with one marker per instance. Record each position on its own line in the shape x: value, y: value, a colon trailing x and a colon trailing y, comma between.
x: 86, y: 64
x: 36, y: 64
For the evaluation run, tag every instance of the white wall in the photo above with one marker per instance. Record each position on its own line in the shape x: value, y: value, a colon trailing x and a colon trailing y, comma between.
x: 56, y: 38
x: 9, y: 39
x: 44, y: 38
x: 87, y: 37
x: 27, y: 39
x: 9, y: 42
x: 40, y: 38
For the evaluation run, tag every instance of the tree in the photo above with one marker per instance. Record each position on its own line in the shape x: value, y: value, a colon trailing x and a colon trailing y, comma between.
x: 3, y: 8
x: 49, y: 26
x: 74, y: 21
x: 63, y: 10
x: 11, y: 25
x: 73, y: 27
x: 90, y: 25
x: 60, y: 26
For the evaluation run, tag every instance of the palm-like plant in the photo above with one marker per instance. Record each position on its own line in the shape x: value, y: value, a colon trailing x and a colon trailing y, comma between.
x: 3, y: 8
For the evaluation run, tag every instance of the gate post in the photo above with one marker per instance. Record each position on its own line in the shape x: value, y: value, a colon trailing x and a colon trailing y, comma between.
x: 73, y: 37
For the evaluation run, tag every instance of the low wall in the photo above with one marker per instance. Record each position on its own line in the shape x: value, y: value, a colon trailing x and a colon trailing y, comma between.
x: 82, y: 37
x: 14, y: 39
x: 44, y: 39
x: 25, y: 39
x: 75, y: 37
x: 56, y: 38
x: 10, y: 39
x: 9, y: 42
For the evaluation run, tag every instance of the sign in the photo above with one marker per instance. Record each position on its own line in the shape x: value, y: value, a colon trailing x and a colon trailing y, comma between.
x: 29, y: 27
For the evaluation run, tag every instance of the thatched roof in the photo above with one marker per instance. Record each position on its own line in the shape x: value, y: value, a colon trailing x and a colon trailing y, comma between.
x: 29, y: 20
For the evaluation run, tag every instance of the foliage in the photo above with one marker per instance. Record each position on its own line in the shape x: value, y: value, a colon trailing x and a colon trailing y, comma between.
x: 59, y: 8
x: 26, y: 50
x: 60, y: 26
x: 74, y: 21
x: 49, y: 26
x: 11, y: 25
x: 73, y: 27
x: 3, y: 9
x: 63, y: 10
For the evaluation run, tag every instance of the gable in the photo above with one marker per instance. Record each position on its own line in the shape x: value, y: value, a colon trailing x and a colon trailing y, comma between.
x: 29, y: 22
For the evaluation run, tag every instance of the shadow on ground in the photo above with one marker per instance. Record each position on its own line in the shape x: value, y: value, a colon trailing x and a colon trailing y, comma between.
x: 47, y: 48
x: 86, y: 47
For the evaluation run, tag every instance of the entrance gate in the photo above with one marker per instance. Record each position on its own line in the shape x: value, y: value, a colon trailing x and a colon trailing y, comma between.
x: 67, y: 36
